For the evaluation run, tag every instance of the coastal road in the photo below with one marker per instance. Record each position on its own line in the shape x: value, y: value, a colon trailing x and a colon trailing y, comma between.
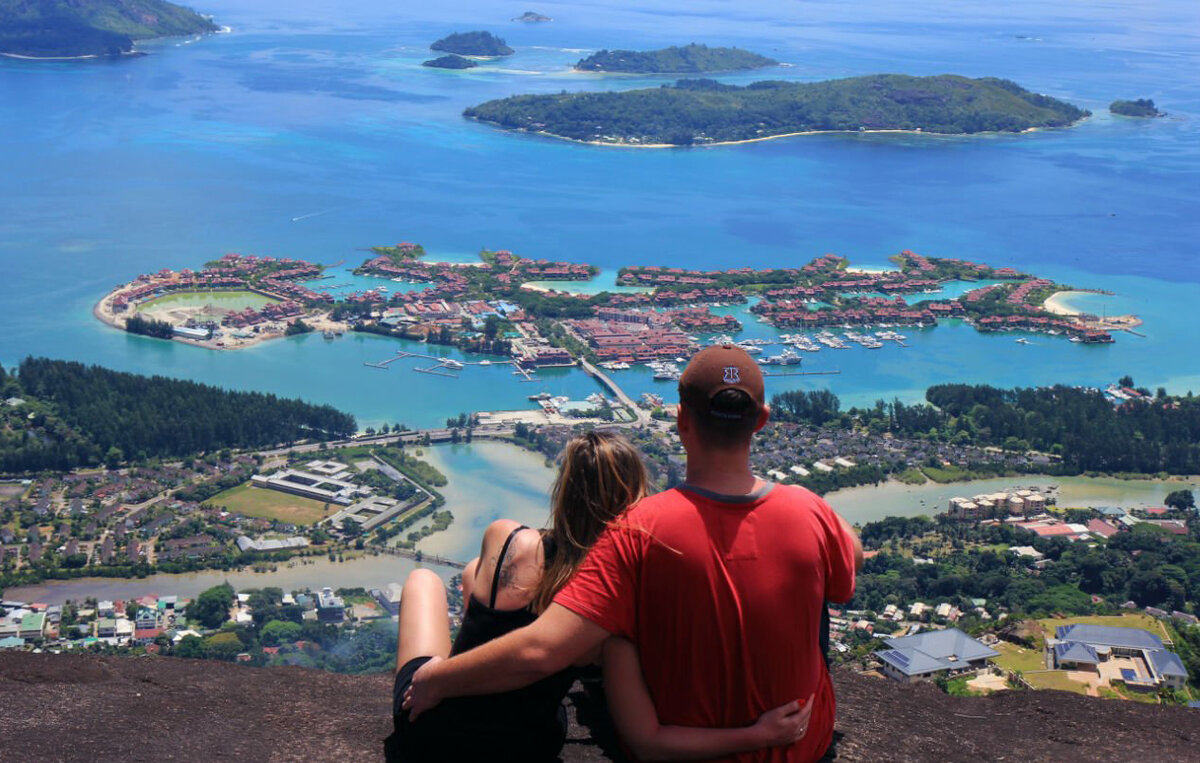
x: 643, y: 417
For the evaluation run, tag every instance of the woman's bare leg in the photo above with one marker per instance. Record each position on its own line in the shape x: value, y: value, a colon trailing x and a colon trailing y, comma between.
x: 424, y: 618
x: 468, y: 581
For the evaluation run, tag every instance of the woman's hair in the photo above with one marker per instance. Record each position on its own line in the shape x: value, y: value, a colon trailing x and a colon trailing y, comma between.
x: 601, y: 476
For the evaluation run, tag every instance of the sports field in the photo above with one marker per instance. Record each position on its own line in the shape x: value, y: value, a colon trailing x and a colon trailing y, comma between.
x: 253, y: 501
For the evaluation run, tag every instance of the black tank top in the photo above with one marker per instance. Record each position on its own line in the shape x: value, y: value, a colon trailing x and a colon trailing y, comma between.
x: 525, y: 724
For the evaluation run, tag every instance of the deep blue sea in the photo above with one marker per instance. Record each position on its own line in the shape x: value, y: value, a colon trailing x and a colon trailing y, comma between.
x: 312, y: 131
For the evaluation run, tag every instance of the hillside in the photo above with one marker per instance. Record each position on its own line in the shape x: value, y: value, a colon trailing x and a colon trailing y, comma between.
x: 705, y: 111
x: 477, y: 43
x: 66, y: 707
x: 68, y: 28
x: 689, y: 59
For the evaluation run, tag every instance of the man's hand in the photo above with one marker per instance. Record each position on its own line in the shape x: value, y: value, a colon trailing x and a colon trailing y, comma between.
x: 785, y: 724
x: 419, y: 696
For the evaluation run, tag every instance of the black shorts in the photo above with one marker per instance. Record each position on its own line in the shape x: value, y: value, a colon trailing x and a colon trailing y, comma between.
x: 466, y: 729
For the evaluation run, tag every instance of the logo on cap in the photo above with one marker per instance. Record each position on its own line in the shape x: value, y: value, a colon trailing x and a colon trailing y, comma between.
x: 732, y: 376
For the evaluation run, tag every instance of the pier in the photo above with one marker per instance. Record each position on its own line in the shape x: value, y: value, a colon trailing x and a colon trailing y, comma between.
x: 445, y: 366
x: 642, y: 416
x: 802, y: 373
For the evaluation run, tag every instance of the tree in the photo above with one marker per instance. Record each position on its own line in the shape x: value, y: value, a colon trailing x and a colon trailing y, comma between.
x: 191, y: 647
x: 224, y: 646
x: 114, y: 457
x: 1181, y: 499
x: 279, y: 632
x: 211, y: 608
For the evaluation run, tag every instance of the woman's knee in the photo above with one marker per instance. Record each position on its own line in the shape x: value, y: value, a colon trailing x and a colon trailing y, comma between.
x: 422, y: 581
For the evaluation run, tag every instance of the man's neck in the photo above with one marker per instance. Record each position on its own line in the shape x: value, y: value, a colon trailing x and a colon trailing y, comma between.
x: 726, y: 473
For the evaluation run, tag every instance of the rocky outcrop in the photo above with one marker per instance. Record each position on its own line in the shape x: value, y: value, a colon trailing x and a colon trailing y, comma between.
x: 76, y: 707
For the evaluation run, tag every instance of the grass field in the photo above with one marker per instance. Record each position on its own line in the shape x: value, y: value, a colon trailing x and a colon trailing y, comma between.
x: 1055, y: 679
x: 1013, y: 657
x: 272, y: 504
x: 1132, y: 620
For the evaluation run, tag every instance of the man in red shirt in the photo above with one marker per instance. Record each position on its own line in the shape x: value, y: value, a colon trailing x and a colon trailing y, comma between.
x: 720, y: 583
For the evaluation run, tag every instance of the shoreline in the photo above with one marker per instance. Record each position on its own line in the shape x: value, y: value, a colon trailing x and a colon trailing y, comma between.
x: 624, y: 144
x: 1056, y: 304
x: 320, y: 322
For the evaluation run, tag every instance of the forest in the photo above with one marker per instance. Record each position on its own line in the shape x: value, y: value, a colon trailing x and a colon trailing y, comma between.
x: 472, y: 44
x: 688, y: 59
x: 1158, y: 433
x: 76, y: 415
x: 91, y: 27
x: 695, y: 111
x: 1142, y: 107
x: 450, y: 62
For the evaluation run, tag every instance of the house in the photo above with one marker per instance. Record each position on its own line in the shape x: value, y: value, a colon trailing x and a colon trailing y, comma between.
x: 909, y: 659
x: 32, y: 626
x: 330, y: 608
x: 1133, y: 656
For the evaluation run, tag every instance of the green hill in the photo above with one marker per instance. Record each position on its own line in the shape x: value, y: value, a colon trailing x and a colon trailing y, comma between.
x: 477, y: 43
x: 60, y: 28
x: 705, y: 111
x: 690, y: 59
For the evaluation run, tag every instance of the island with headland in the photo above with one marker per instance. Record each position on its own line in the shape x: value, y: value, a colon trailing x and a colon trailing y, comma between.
x: 479, y: 43
x: 1142, y: 107
x: 451, y: 61
x: 687, y: 59
x: 57, y: 29
x: 703, y: 111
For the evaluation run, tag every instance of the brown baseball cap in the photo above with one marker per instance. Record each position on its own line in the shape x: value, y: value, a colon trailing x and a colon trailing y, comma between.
x: 716, y: 368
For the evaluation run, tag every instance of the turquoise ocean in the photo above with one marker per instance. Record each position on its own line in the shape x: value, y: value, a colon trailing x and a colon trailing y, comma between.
x: 314, y: 132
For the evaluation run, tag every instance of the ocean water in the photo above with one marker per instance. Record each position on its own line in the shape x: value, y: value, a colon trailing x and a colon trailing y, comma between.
x: 312, y: 131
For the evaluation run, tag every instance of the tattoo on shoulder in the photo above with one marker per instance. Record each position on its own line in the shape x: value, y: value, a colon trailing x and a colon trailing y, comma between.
x: 508, y: 574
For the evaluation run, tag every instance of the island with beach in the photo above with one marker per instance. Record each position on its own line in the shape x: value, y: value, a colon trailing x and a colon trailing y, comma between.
x: 91, y: 28
x: 478, y: 43
x: 706, y: 112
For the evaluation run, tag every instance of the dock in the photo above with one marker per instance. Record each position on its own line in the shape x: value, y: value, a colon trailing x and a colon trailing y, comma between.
x: 445, y: 366
x: 802, y: 373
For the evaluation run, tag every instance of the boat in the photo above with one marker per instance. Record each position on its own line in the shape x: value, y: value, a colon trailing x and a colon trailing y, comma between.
x: 540, y: 396
x: 452, y: 364
x: 485, y: 362
x: 1022, y: 340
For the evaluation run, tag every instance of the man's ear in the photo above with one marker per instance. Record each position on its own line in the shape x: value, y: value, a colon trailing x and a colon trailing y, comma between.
x: 764, y: 416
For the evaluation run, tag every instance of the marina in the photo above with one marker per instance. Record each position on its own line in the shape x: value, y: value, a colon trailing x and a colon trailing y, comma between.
x: 448, y: 367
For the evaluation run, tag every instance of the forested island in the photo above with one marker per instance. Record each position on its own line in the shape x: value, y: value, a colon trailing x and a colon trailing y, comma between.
x: 78, y: 28
x: 473, y: 44
x: 532, y: 17
x: 450, y: 62
x: 1142, y: 107
x: 703, y: 111
x: 688, y: 59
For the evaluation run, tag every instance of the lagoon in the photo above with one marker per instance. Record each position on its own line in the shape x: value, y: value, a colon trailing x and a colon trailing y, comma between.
x: 870, y: 503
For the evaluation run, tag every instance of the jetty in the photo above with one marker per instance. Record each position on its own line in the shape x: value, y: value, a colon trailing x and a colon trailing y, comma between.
x: 447, y: 366
x: 642, y: 416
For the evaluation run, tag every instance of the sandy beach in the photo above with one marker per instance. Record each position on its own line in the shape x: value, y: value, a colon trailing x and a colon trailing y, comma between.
x: 626, y: 144
x: 1057, y: 303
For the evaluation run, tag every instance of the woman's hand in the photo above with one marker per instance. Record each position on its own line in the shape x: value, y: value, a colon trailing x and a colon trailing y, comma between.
x: 785, y: 724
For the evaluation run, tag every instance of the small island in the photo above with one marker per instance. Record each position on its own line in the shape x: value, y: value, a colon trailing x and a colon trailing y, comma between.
x: 689, y: 59
x: 1142, y: 107
x: 530, y: 17
x: 91, y: 28
x: 483, y: 44
x: 703, y: 111
x: 450, y: 62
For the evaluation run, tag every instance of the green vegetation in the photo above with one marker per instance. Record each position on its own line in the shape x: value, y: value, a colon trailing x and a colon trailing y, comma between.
x: 297, y: 326
x: 211, y: 608
x: 706, y: 111
x: 1055, y: 679
x: 473, y: 44
x: 1142, y: 107
x: 450, y: 62
x: 689, y: 59
x: 1018, y: 658
x: 1181, y: 499
x: 421, y: 472
x: 251, y: 501
x: 58, y: 28
x: 140, y: 324
x: 85, y: 415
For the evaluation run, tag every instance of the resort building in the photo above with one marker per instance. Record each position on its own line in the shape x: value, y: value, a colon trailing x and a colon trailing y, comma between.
x: 909, y: 659
x: 316, y: 486
x: 330, y: 608
x: 1131, y: 656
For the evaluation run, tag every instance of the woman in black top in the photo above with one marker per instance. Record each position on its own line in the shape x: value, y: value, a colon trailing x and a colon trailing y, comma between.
x: 515, y: 578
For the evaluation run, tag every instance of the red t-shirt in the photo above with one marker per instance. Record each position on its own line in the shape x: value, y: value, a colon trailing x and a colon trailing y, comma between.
x: 723, y: 600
